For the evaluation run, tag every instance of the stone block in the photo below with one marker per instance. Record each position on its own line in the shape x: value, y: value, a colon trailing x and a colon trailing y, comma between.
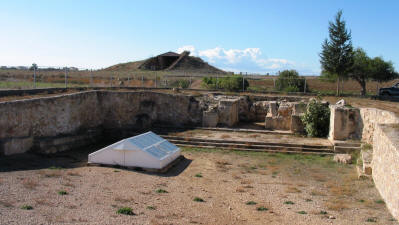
x: 272, y: 111
x: 228, y: 111
x: 210, y: 119
x: 17, y: 145
x: 296, y: 124
x: 343, y: 158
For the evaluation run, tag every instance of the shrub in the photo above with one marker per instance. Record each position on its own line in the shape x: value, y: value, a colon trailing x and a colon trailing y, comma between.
x: 27, y: 207
x: 289, y: 81
x: 62, y: 192
x: 181, y: 84
x: 125, y: 211
x: 316, y: 119
x: 251, y: 203
x: 262, y: 208
x: 302, y: 212
x: 289, y: 202
x: 161, y: 191
x: 229, y: 83
x: 197, y: 199
x: 198, y: 175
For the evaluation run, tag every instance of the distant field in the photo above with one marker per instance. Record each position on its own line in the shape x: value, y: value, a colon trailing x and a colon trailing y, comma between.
x: 23, y: 79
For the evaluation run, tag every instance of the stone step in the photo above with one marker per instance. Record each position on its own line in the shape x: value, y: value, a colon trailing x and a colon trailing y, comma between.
x: 347, y: 144
x: 247, y: 143
x: 342, y: 149
x: 257, y: 150
x: 165, y: 129
x: 253, y: 147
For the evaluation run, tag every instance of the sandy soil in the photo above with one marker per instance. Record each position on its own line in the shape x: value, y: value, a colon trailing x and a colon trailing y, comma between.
x: 293, y: 189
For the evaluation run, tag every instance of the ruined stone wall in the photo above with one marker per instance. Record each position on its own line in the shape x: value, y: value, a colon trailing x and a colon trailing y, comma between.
x: 385, y: 164
x: 369, y: 118
x: 51, y: 124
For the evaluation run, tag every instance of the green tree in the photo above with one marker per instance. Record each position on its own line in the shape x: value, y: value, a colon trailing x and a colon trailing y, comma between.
x: 290, y: 81
x: 229, y: 83
x: 365, y: 69
x: 336, y: 57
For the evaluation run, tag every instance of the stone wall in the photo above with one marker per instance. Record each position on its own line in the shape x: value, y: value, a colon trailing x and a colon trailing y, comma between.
x: 370, y: 117
x: 51, y: 124
x: 385, y: 164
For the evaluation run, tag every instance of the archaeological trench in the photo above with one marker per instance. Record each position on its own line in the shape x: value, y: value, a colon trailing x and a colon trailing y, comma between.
x: 68, y: 121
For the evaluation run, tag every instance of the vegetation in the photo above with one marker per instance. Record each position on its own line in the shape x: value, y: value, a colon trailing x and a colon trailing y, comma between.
x: 198, y: 199
x: 198, y: 175
x: 262, y: 208
x: 150, y: 207
x: 181, y: 84
x: 289, y: 203
x: 161, y: 191
x: 316, y: 119
x: 62, y: 192
x: 302, y: 212
x: 229, y: 83
x: 336, y: 57
x: 27, y: 207
x: 289, y: 81
x: 251, y: 203
x: 365, y: 69
x: 125, y: 211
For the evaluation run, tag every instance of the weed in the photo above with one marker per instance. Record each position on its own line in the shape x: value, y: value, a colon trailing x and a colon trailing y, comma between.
x: 308, y: 200
x: 125, y: 211
x: 302, y: 212
x: 240, y: 189
x: 224, y: 136
x: 361, y: 200
x: 50, y: 174
x: 117, y: 171
x: 198, y: 199
x: 379, y: 201
x: 372, y: 219
x: 251, y: 203
x: 121, y: 199
x: 62, y: 192
x: 336, y: 205
x: 262, y: 208
x: 27, y: 207
x: 161, y: 191
x: 289, y: 203
x: 150, y: 207
x: 198, y: 175
x: 323, y: 212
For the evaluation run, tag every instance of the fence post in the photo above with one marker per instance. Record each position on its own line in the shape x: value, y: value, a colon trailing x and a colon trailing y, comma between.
x: 34, y: 77
x: 66, y: 77
x: 304, y: 89
x: 91, y: 78
x: 142, y: 80
x: 110, y: 81
x: 274, y: 83
x: 155, y: 80
x: 128, y: 80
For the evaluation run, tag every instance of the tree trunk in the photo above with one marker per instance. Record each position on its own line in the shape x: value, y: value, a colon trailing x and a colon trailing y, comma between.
x: 363, y: 84
x: 338, y: 86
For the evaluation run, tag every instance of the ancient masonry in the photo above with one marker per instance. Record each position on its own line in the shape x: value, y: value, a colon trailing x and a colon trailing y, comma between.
x: 59, y: 123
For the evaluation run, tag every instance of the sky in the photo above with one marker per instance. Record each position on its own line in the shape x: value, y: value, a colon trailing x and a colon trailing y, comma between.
x: 237, y: 35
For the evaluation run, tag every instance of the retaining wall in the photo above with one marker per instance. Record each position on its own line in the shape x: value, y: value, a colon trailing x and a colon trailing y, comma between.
x: 51, y: 124
x: 385, y: 164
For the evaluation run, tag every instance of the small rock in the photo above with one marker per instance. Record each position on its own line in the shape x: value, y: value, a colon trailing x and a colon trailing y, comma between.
x: 341, y: 103
x: 343, y: 158
x: 331, y: 217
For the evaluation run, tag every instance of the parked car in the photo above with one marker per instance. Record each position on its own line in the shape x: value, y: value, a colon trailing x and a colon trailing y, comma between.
x: 391, y: 91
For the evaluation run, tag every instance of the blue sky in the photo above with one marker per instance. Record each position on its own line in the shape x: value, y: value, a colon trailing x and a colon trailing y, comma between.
x: 253, y: 36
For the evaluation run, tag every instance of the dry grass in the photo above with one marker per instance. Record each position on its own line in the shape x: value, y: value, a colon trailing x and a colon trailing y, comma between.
x: 240, y: 189
x: 246, y: 182
x: 73, y: 174
x: 319, y: 177
x: 122, y: 199
x: 29, y: 183
x: 318, y: 193
x: 336, y: 204
x: 292, y: 189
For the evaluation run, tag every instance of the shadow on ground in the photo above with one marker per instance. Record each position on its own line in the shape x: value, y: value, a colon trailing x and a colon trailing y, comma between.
x: 70, y: 159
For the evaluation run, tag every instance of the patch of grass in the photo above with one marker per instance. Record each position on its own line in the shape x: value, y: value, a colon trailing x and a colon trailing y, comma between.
x: 262, y: 208
x: 302, y: 212
x: 50, y: 174
x: 198, y: 175
x: 27, y: 207
x: 150, y: 207
x: 289, y: 202
x: 62, y: 192
x: 372, y: 219
x: 121, y: 199
x: 362, y: 200
x: 125, y: 211
x: 251, y: 203
x: 161, y: 191
x: 198, y: 199
x: 323, y: 212
x: 379, y: 201
x: 117, y: 171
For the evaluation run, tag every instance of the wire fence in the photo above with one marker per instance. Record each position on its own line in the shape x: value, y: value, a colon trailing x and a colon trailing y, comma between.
x: 68, y: 77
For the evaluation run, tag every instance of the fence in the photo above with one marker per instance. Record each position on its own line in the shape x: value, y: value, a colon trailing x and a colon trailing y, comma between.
x: 47, y: 77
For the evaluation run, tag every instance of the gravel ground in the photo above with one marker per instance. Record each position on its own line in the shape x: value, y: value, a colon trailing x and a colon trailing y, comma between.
x: 292, y: 189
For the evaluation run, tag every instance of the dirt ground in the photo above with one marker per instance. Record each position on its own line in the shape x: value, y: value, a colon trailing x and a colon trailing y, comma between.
x: 236, y: 188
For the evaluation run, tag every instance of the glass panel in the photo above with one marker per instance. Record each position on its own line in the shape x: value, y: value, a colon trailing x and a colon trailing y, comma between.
x: 167, y: 146
x: 156, y: 152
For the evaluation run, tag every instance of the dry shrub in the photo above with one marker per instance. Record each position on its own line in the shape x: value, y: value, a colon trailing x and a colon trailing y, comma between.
x: 122, y: 199
x: 222, y: 163
x: 50, y: 173
x: 246, y: 182
x: 6, y: 204
x: 240, y: 189
x: 319, y: 178
x: 224, y: 136
x: 29, y: 183
x: 292, y: 189
x: 68, y: 184
x: 336, y: 204
x: 73, y: 174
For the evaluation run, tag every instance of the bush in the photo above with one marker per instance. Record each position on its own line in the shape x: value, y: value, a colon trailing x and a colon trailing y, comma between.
x: 126, y: 211
x: 289, y: 81
x: 181, y: 84
x: 229, y: 83
x: 316, y: 119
